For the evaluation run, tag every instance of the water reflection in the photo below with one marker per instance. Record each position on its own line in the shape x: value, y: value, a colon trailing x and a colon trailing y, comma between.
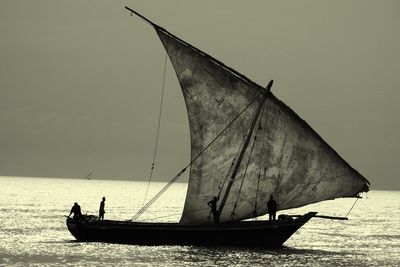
x: 36, y: 233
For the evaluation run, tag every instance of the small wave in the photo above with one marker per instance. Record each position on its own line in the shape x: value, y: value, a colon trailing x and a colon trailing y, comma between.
x: 384, y: 236
x: 292, y: 250
x: 73, y: 241
x: 334, y: 234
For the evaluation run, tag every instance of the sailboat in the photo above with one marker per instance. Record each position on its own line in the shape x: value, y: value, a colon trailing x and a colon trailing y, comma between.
x: 246, y: 145
x: 88, y: 176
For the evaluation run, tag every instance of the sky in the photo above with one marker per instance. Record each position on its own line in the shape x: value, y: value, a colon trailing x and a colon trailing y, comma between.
x: 80, y: 81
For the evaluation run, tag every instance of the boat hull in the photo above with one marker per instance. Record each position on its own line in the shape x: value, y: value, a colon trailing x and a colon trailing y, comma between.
x: 271, y: 234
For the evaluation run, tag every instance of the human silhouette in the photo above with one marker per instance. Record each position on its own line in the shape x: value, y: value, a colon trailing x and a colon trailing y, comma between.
x: 213, y: 205
x: 101, y: 209
x: 76, y: 210
x: 272, y: 208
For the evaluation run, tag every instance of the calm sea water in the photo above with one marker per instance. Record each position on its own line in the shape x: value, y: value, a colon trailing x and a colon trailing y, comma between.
x: 33, y: 230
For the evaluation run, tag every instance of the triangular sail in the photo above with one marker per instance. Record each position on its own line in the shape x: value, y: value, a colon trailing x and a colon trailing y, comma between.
x: 285, y: 157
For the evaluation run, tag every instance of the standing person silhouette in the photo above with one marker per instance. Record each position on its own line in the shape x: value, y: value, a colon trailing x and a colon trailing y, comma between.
x: 272, y: 208
x: 101, y: 210
x: 213, y: 205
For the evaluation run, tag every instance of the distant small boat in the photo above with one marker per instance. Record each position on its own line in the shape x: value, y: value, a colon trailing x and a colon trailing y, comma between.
x: 246, y: 145
x: 88, y: 176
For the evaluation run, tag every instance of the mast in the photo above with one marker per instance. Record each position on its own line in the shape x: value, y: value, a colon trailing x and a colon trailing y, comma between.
x: 245, y: 145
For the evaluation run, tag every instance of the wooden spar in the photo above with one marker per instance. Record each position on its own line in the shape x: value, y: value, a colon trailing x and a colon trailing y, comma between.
x: 268, y: 88
x: 331, y: 217
x: 216, y: 61
x: 323, y: 217
x: 142, y: 17
x: 239, y: 161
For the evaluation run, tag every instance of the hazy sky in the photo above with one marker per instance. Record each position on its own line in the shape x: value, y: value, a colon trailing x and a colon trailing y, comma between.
x: 80, y: 81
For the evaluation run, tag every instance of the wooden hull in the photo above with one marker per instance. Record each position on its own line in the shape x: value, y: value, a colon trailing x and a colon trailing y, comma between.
x: 247, y: 233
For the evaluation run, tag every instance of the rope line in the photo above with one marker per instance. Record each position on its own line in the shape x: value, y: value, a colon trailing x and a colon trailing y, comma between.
x: 264, y: 128
x: 158, y: 131
x: 352, y: 207
x: 145, y: 207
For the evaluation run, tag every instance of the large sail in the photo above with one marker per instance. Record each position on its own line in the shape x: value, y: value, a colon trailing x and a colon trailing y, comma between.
x: 283, y: 157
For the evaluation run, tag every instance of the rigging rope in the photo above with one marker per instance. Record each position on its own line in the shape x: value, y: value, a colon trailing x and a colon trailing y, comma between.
x: 352, y: 207
x: 145, y: 207
x: 241, y: 155
x: 264, y: 128
x: 260, y: 118
x: 245, y: 172
x: 283, y: 147
x: 158, y: 130
x: 151, y: 201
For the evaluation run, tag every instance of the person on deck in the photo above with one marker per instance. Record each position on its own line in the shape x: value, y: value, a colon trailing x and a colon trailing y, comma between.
x: 76, y: 210
x: 272, y: 208
x: 101, y: 209
x: 213, y: 205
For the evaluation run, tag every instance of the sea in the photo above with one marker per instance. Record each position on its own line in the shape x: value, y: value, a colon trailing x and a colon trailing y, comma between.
x: 33, y: 230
